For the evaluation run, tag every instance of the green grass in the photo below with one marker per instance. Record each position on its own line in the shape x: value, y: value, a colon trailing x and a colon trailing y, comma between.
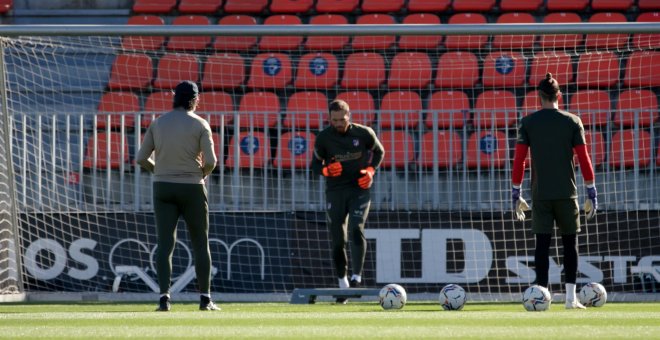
x: 324, y: 320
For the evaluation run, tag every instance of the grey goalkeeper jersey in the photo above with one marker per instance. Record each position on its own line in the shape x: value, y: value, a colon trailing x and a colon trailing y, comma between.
x: 182, y: 148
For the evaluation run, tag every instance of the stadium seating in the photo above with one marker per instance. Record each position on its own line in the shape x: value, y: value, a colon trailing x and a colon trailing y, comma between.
x: 428, y: 6
x: 503, y: 69
x: 361, y: 104
x: 305, y: 109
x: 647, y: 40
x: 457, y: 69
x: 607, y: 41
x: 317, y: 71
x: 380, y: 6
x: 400, y: 148
x: 213, y: 106
x: 248, y: 150
x: 466, y: 42
x: 520, y: 5
x: 363, y: 70
x: 281, y: 43
x: 486, y: 149
x: 473, y: 5
x: 329, y: 43
x: 593, y: 107
x: 96, y: 151
x: 648, y: 5
x: 270, y: 71
x: 611, y: 5
x: 291, y: 6
x: 208, y: 7
x: 595, y: 148
x: 336, y: 6
x: 370, y: 42
x: 223, y: 71
x: 259, y: 110
x: 561, y: 41
x: 448, y: 108
x: 154, y: 6
x: 420, y: 42
x: 642, y: 103
x: 174, y: 67
x: 623, y: 141
x: 400, y: 109
x: 532, y: 103
x: 642, y: 69
x: 567, y: 5
x: 156, y: 103
x: 131, y: 72
x: 229, y: 43
x: 196, y: 43
x: 245, y: 6
x: 597, y: 70
x: 495, y: 108
x: 294, y: 150
x: 144, y: 43
x: 117, y: 106
x: 410, y: 70
x: 6, y: 6
x: 447, y: 145
x: 514, y: 41
x: 557, y: 62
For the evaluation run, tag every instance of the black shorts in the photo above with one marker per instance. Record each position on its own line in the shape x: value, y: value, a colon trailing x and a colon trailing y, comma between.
x: 565, y: 212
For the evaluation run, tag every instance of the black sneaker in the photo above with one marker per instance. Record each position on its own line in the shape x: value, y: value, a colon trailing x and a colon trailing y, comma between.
x: 354, y: 284
x: 341, y: 300
x: 164, y: 304
x: 205, y: 303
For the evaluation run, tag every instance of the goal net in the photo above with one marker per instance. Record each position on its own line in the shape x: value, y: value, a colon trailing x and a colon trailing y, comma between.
x: 77, y: 216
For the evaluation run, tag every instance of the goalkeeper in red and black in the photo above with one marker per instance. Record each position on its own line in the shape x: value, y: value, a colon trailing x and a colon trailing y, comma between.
x: 347, y: 155
x: 553, y: 135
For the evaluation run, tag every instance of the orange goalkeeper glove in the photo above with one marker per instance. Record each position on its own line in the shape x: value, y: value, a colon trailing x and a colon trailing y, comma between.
x: 367, y: 178
x: 332, y: 170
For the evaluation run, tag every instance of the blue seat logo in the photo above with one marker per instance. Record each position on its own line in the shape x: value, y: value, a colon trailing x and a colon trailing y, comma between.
x: 488, y: 144
x: 249, y: 145
x: 298, y: 145
x: 504, y: 64
x: 272, y: 66
x: 318, y: 66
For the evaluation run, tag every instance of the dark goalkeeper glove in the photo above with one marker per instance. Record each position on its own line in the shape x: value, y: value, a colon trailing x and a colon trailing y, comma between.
x: 519, y: 204
x: 591, y: 203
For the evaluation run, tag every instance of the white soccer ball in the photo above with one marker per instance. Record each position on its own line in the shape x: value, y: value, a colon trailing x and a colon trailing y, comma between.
x: 536, y: 298
x: 392, y: 296
x: 593, y: 295
x: 452, y: 297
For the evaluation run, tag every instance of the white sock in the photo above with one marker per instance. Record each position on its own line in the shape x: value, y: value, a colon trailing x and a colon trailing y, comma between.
x: 357, y: 278
x: 208, y: 295
x: 168, y: 295
x: 343, y: 282
x: 570, y: 292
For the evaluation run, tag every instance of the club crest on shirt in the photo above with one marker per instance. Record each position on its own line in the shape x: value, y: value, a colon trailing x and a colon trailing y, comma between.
x: 356, y: 142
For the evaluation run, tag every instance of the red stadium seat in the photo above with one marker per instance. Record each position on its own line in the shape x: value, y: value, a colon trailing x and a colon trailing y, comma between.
x: 514, y: 41
x: 279, y: 43
x: 183, y: 43
x: 336, y: 6
x: 640, y: 102
x: 647, y: 40
x: 380, y: 6
x: 118, y: 105
x: 156, y: 104
x: 611, y: 5
x: 593, y: 107
x: 595, y: 147
x: 154, y: 6
x: 210, y: 7
x: 294, y: 150
x: 329, y: 43
x: 306, y: 110
x: 559, y: 41
x: 223, y: 71
x: 503, y: 69
x: 643, y: 69
x: 428, y: 6
x: 468, y: 41
x: 213, y: 106
x: 226, y: 43
x: 364, y: 71
x: 144, y: 43
x: 495, y: 109
x: 487, y: 149
x: 361, y: 104
x: 370, y: 42
x: 445, y: 144
x: 420, y: 42
x: 97, y: 156
x: 245, y: 6
x: 520, y: 5
x: 400, y: 109
x: 648, y: 4
x: 400, y: 148
x: 291, y: 6
x: 567, y: 5
x: 532, y: 103
x: 253, y: 150
x: 448, y: 108
x: 317, y: 71
x: 410, y: 70
x: 172, y: 68
x: 473, y: 5
x: 270, y: 71
x: 131, y: 71
x: 598, y: 70
x: 6, y: 6
x: 457, y: 70
x: 557, y: 62
x: 259, y: 109
x: 630, y: 146
x: 607, y: 41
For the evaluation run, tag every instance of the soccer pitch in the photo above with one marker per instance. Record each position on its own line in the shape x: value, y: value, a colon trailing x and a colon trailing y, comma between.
x: 359, y: 320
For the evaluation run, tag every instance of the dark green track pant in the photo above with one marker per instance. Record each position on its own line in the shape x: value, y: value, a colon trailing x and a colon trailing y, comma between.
x: 346, y: 213
x: 172, y: 200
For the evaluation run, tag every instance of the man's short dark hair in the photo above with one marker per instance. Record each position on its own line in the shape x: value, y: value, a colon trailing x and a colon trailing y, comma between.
x: 338, y: 105
x: 185, y: 94
x: 549, y: 88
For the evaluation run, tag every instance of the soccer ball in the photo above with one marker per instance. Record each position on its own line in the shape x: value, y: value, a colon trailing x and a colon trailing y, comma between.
x: 593, y: 295
x: 392, y: 296
x: 536, y: 298
x: 452, y: 297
